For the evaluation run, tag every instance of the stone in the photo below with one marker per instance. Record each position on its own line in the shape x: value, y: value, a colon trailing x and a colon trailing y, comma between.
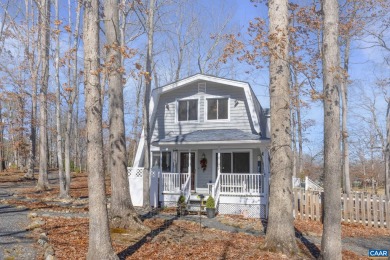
x: 32, y: 215
x: 49, y: 251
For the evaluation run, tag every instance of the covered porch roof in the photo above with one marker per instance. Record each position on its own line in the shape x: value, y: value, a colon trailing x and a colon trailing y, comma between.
x: 215, y: 136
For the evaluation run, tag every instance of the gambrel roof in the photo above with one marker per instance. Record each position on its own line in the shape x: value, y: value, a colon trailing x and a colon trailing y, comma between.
x: 255, y: 109
x: 256, y: 117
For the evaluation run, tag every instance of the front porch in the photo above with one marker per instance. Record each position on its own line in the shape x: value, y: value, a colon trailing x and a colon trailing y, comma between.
x: 235, y: 174
x: 234, y: 193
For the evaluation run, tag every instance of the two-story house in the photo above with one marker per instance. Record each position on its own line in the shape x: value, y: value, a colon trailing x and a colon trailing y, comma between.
x: 209, y: 136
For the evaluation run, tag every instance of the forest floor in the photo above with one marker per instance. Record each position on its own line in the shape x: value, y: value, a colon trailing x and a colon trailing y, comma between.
x: 65, y: 222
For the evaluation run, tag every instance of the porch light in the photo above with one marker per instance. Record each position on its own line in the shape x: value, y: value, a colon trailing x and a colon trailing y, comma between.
x: 203, y: 156
x: 259, y: 158
x: 167, y: 106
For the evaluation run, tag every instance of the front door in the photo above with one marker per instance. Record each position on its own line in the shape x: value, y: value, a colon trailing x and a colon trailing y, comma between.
x: 184, y: 163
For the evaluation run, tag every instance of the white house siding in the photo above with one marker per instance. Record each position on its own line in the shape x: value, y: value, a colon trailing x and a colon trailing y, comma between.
x: 166, y: 124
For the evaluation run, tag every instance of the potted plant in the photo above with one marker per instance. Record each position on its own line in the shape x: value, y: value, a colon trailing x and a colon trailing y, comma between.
x: 181, y: 206
x: 210, y: 207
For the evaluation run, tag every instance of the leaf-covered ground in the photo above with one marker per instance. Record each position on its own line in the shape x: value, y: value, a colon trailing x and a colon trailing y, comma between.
x: 178, y: 239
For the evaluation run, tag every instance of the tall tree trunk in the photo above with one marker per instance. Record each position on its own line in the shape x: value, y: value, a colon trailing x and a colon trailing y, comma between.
x: 344, y: 111
x: 300, y: 138
x: 280, y: 231
x: 123, y: 214
x: 99, y: 233
x: 2, y: 166
x: 135, y: 130
x: 387, y: 151
x: 72, y: 99
x: 146, y: 116
x: 34, y: 81
x: 61, y: 175
x: 294, y: 144
x: 331, y: 237
x: 44, y: 17
x: 33, y: 131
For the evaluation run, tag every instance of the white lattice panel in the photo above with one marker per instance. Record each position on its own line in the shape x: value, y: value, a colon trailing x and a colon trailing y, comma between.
x: 252, y: 211
x: 169, y: 204
x: 135, y: 172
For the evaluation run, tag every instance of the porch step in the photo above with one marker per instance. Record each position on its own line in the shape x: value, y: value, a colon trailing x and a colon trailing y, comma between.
x: 194, y: 203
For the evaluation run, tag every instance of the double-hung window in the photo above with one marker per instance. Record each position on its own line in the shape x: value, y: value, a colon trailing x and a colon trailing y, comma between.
x: 188, y: 110
x: 217, y: 108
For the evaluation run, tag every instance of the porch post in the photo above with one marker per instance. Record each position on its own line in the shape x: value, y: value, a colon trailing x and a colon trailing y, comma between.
x: 174, y: 155
x: 189, y: 167
x: 189, y: 162
x: 219, y: 164
x: 160, y: 168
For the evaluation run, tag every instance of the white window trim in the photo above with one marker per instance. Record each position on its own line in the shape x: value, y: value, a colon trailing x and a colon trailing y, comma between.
x: 206, y: 108
x: 177, y: 110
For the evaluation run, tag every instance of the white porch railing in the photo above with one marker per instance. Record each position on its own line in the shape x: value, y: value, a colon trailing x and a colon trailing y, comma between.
x: 241, y: 183
x: 311, y: 185
x: 173, y: 182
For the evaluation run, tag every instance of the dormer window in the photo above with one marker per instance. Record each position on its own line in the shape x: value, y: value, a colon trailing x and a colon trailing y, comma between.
x: 188, y: 110
x: 217, y: 108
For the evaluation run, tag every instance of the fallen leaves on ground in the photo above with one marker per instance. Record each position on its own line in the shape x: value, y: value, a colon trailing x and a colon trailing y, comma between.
x: 68, y: 236
x: 178, y: 239
x: 314, y: 228
x: 241, y: 222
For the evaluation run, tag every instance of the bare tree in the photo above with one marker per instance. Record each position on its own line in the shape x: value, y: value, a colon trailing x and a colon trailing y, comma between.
x: 58, y: 104
x: 44, y: 25
x: 99, y: 233
x: 148, y: 86
x: 73, y: 90
x: 33, y: 65
x: 280, y: 231
x: 122, y: 211
x: 387, y: 151
x: 331, y: 237
x: 2, y: 161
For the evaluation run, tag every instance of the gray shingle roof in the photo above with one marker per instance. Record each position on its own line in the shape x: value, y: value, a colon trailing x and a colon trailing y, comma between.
x: 210, y: 136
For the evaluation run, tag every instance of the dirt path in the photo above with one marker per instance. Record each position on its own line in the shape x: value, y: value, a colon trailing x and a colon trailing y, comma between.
x: 15, y: 241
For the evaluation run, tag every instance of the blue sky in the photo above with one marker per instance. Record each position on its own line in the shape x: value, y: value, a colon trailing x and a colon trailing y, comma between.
x: 366, y: 64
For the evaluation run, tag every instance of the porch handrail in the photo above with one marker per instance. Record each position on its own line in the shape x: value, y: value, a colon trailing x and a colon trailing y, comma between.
x: 173, y: 182
x: 311, y: 185
x: 216, y: 191
x: 186, y: 188
x: 242, y: 183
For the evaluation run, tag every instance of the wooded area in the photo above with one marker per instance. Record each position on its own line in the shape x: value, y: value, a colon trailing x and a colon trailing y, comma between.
x: 76, y: 78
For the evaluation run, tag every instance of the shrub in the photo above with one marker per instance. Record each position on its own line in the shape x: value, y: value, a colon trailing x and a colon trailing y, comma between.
x: 210, y: 202
x: 181, y: 200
